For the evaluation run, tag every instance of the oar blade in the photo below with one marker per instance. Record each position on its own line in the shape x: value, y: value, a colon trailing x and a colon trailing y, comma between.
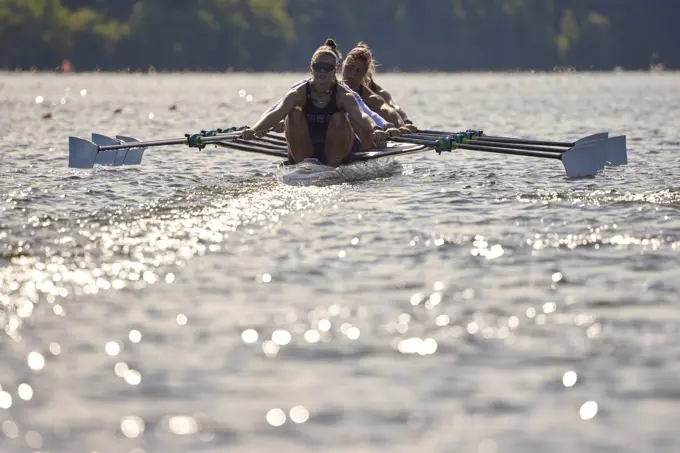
x: 81, y: 153
x: 114, y: 158
x: 592, y: 138
x: 616, y: 151
x: 134, y: 155
x: 584, y: 160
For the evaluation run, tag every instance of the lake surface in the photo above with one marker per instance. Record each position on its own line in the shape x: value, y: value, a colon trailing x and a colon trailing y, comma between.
x: 470, y: 302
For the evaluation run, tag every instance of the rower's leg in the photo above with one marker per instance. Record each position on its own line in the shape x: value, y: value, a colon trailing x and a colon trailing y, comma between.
x: 338, y: 139
x: 366, y: 137
x: 297, y: 136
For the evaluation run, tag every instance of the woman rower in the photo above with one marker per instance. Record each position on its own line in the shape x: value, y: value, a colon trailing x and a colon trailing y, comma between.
x: 317, y: 116
x: 364, y: 136
x: 358, y: 72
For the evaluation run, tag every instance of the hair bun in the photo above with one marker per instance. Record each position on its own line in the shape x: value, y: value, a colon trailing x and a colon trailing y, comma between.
x: 330, y: 42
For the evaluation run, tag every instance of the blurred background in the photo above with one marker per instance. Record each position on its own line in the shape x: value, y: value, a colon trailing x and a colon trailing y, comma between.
x: 279, y: 35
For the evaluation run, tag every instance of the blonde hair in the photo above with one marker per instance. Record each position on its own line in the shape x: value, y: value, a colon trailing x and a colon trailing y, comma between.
x: 362, y: 52
x: 328, y: 48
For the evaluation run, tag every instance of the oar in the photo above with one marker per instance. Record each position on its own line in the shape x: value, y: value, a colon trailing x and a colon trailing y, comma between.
x: 581, y: 160
x: 103, y: 150
x: 483, y: 142
x: 615, y: 146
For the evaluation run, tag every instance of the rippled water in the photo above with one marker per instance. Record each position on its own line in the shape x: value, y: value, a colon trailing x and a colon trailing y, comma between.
x: 476, y: 303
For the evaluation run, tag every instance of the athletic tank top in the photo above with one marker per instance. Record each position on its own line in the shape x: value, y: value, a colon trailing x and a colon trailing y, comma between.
x: 319, y: 117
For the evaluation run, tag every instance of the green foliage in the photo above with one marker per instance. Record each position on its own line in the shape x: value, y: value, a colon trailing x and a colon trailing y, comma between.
x: 282, y: 34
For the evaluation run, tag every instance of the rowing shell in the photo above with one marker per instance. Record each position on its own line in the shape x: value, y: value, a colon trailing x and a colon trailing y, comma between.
x: 363, y: 165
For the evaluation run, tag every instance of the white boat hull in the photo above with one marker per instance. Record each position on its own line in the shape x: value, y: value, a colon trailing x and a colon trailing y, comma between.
x: 377, y: 163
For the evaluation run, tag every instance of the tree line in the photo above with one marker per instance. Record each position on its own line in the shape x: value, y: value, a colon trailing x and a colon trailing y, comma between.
x: 276, y: 35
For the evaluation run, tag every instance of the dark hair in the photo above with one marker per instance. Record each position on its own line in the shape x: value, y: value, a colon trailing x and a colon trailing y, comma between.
x: 330, y: 42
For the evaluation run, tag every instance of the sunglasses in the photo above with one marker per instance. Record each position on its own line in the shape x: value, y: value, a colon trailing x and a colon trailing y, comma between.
x: 321, y: 66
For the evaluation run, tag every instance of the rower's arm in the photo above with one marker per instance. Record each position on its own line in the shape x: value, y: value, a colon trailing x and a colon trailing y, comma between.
x: 274, y: 116
x: 364, y: 108
x: 388, y: 98
x: 378, y: 104
x: 349, y: 104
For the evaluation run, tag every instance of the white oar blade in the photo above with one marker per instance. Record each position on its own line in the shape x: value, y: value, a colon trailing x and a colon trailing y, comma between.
x: 114, y: 158
x: 593, y: 138
x: 134, y: 155
x: 584, y: 160
x: 616, y: 151
x: 81, y: 153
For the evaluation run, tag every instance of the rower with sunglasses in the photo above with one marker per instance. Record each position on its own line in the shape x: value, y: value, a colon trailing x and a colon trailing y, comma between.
x: 364, y: 136
x: 318, y: 115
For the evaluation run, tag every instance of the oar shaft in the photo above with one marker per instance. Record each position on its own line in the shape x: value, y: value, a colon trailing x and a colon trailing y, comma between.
x: 489, y: 149
x: 522, y: 141
x: 508, y: 139
x: 172, y: 141
x: 484, y: 142
x: 241, y: 146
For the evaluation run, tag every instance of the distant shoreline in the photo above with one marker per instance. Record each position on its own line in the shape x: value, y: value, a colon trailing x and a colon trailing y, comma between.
x: 153, y: 72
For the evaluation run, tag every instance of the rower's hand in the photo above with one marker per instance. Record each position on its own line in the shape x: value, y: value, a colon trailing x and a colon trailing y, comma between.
x: 248, y: 134
x: 379, y: 139
x: 280, y: 127
x: 405, y: 130
x: 394, y: 132
x: 411, y: 128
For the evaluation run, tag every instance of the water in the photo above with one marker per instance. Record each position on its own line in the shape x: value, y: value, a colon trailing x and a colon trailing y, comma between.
x: 470, y: 302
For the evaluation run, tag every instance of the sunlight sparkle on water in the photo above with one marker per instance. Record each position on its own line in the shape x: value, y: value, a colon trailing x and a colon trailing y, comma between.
x: 270, y: 348
x: 113, y: 348
x: 120, y: 368
x: 135, y: 336
x: 569, y: 379
x: 34, y: 439
x: 312, y: 336
x: 249, y: 336
x: 417, y: 346
x: 182, y: 319
x: 132, y: 426
x: 36, y: 361
x: 276, y: 417
x: 10, y: 429
x: 181, y: 425
x: 299, y: 414
x: 133, y: 377
x: 5, y: 400
x: 442, y: 320
x: 588, y: 410
x: 25, y: 391
x: 281, y: 337
x: 324, y: 325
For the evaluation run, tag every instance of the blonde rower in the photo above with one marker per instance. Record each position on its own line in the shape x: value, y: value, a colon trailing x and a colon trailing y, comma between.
x: 358, y: 72
x: 317, y: 116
